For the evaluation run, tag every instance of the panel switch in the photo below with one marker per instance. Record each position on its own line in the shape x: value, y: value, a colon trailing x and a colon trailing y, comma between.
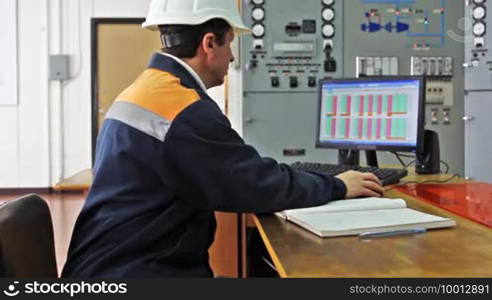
x: 330, y: 65
x: 294, y: 82
x: 275, y: 81
x: 312, y: 81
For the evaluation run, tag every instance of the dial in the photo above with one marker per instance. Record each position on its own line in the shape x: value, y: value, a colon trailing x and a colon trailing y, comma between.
x: 479, y: 29
x: 328, y: 14
x: 478, y: 1
x: 328, y: 2
x: 258, y: 2
x: 328, y: 30
x: 258, y: 30
x: 478, y: 12
x: 258, y: 14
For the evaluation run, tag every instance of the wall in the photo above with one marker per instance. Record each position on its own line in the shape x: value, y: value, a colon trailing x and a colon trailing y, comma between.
x: 24, y: 147
x: 47, y: 136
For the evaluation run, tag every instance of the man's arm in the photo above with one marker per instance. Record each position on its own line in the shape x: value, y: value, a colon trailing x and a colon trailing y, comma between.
x: 214, y: 169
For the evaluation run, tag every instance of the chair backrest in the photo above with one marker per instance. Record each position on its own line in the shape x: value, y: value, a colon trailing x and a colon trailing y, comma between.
x: 27, y: 248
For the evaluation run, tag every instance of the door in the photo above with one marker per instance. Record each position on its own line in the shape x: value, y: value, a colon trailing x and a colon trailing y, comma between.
x: 123, y: 49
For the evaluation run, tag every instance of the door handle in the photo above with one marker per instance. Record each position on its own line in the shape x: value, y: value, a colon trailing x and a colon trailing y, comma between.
x: 249, y: 121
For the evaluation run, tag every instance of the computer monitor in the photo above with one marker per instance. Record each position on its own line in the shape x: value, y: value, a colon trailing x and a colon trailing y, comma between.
x: 372, y: 113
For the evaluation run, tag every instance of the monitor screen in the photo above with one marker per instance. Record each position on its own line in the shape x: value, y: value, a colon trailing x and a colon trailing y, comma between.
x: 372, y: 113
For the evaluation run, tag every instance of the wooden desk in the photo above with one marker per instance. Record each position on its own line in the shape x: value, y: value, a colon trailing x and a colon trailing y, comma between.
x: 464, y: 251
x: 80, y: 181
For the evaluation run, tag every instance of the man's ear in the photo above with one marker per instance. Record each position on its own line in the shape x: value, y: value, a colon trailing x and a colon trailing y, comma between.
x: 208, y: 43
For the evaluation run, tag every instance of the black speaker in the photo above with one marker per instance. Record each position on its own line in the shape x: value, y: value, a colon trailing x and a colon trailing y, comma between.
x: 429, y: 161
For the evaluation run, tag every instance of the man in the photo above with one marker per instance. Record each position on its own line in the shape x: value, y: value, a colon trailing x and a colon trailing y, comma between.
x: 167, y: 158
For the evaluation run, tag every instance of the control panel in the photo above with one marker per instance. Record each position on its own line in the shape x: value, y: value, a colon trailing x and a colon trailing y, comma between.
x: 296, y: 43
x: 478, y: 59
x: 414, y: 37
x: 293, y: 45
x: 419, y: 37
x: 478, y: 89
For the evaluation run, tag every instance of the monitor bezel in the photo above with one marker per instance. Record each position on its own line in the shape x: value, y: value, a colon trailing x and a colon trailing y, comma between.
x: 392, y: 148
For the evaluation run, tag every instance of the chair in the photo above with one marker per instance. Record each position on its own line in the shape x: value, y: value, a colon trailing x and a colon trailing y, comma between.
x: 27, y: 248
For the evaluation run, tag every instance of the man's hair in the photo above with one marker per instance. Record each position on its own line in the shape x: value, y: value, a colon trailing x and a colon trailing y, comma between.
x: 183, y: 40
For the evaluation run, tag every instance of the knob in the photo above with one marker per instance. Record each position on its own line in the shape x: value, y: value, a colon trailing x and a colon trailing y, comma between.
x: 468, y: 118
x: 470, y: 65
x: 251, y: 65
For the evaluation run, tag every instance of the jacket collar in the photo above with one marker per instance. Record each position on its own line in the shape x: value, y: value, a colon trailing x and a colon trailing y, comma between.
x: 170, y: 65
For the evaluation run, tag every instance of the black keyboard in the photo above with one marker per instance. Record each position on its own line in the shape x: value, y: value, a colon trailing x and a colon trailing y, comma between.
x: 387, y: 176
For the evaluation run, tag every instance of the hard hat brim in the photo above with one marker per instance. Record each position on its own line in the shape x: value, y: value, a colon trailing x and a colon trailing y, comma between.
x: 239, y: 29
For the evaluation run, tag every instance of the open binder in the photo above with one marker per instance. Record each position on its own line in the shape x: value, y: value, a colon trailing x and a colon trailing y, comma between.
x: 356, y: 216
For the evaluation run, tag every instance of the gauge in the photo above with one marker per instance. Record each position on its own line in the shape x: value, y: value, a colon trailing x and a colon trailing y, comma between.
x: 478, y: 1
x: 478, y: 12
x: 328, y: 30
x: 258, y: 14
x: 328, y: 2
x: 258, y: 2
x: 258, y: 30
x: 479, y: 29
x: 328, y: 14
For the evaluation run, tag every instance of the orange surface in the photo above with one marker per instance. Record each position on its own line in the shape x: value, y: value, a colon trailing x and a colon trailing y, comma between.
x: 471, y: 200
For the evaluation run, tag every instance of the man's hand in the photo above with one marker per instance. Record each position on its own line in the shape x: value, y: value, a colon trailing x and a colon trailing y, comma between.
x: 361, y: 184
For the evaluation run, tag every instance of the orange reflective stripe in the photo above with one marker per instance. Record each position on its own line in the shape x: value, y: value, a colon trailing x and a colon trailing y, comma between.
x: 159, y: 92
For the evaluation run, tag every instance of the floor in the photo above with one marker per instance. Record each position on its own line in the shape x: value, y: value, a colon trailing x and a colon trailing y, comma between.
x: 64, y: 211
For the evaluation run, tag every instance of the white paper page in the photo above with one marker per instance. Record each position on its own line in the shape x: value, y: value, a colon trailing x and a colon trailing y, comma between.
x: 371, y: 203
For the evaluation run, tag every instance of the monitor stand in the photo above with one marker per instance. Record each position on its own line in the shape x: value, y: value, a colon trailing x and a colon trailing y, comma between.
x: 372, y: 158
x: 352, y: 157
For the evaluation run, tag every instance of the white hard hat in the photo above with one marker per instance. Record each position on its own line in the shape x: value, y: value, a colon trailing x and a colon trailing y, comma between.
x: 194, y: 12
